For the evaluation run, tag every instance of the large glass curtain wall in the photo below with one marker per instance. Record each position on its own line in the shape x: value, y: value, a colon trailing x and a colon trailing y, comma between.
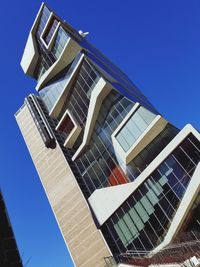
x: 43, y: 20
x: 141, y: 223
x: 79, y: 96
x: 80, y: 91
x: 52, y: 92
x: 60, y: 42
x: 47, y: 58
x: 50, y: 31
x: 98, y: 164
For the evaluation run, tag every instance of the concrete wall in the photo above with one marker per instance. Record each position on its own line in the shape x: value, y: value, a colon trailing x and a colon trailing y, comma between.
x: 84, y: 241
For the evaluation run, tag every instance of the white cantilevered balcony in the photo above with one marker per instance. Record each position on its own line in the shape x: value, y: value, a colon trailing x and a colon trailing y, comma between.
x: 54, y: 38
x: 30, y: 56
x: 135, y: 132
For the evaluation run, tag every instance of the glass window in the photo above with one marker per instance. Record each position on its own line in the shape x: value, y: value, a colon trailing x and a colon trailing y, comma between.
x: 125, y: 230
x: 50, y: 30
x: 123, y: 142
x: 141, y: 211
x: 147, y: 115
x: 120, y: 234
x: 152, y: 197
x: 147, y: 205
x: 134, y: 127
x: 61, y: 40
x: 130, y: 224
x: 138, y: 222
x: 44, y: 17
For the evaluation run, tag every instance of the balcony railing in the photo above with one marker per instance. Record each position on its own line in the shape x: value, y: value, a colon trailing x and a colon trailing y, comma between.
x: 110, y: 262
x: 40, y: 121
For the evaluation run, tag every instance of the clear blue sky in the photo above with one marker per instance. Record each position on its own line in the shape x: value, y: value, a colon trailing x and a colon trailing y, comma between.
x: 157, y: 43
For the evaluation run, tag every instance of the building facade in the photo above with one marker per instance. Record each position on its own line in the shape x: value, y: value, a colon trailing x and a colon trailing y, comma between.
x: 118, y: 176
x: 9, y: 253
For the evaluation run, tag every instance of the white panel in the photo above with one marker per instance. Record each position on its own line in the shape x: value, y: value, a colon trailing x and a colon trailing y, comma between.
x: 30, y: 56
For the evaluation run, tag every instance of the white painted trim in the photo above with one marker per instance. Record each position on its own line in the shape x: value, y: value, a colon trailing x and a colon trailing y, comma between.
x: 105, y: 201
x: 99, y: 93
x: 51, y: 42
x: 72, y: 137
x: 30, y: 56
x: 153, y: 129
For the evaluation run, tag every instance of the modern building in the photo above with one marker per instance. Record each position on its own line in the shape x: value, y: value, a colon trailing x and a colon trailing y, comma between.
x: 119, y: 177
x: 9, y: 253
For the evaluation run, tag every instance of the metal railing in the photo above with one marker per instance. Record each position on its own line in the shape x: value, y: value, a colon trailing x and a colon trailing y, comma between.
x: 40, y: 121
x: 110, y: 262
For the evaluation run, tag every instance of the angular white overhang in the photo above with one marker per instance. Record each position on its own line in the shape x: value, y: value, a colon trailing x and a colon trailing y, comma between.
x: 30, y: 55
x: 105, y: 201
x: 70, y: 50
x: 154, y: 129
x: 72, y: 73
x: 99, y: 93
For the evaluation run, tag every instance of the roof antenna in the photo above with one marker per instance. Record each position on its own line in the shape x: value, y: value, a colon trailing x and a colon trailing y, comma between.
x: 83, y: 34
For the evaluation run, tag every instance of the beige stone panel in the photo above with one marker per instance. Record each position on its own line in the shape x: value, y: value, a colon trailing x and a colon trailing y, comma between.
x: 96, y: 252
x: 87, y: 242
x: 91, y: 262
x: 82, y: 233
x: 47, y: 172
x: 85, y: 225
x: 72, y: 213
x: 71, y: 231
x: 58, y: 171
x: 59, y: 177
x: 61, y: 205
x: 82, y: 215
x: 57, y: 200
